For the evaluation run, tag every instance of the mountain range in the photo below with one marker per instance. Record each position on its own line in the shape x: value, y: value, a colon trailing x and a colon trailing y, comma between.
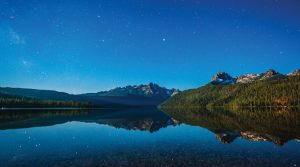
x: 225, y: 78
x: 150, y: 90
x: 131, y: 95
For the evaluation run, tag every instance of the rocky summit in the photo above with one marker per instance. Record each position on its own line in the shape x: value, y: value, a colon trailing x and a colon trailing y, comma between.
x: 294, y: 73
x: 270, y: 74
x: 223, y: 78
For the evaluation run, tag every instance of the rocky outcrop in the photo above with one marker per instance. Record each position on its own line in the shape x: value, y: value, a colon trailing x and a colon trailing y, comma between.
x: 247, y: 78
x: 294, y: 73
x: 270, y: 74
x: 252, y: 136
x: 226, y: 137
x: 174, y: 92
x: 223, y: 78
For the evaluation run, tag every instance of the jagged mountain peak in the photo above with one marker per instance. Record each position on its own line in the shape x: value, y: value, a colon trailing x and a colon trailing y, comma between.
x: 223, y: 78
x: 270, y: 74
x: 153, y: 84
x: 147, y: 90
x: 294, y: 73
x: 221, y: 75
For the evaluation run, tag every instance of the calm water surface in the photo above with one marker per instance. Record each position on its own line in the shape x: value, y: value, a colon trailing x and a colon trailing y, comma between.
x: 148, y: 137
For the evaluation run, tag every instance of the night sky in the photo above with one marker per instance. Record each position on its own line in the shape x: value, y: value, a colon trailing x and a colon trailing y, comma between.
x: 87, y: 46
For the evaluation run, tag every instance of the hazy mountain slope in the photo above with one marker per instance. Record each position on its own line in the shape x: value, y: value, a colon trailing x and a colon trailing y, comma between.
x: 49, y: 95
x: 38, y: 94
x: 14, y: 101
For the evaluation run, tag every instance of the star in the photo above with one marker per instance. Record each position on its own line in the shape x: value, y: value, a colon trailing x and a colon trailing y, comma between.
x: 25, y: 62
x: 164, y: 39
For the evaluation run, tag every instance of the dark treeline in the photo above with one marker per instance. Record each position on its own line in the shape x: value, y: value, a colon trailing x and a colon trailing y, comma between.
x: 10, y: 101
x: 279, y: 92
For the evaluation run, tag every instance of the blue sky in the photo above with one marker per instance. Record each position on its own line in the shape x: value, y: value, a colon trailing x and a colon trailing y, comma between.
x: 87, y: 46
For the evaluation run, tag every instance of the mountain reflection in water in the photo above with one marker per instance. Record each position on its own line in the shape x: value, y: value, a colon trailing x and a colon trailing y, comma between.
x: 148, y: 137
x: 150, y: 119
x: 277, y: 125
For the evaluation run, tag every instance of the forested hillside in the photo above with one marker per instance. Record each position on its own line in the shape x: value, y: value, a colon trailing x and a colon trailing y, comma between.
x: 275, y: 92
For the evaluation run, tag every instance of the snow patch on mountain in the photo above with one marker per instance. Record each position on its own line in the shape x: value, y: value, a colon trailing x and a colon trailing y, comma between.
x: 247, y: 78
x: 294, y: 73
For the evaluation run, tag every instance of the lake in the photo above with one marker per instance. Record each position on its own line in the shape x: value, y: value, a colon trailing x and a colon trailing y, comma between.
x: 149, y: 137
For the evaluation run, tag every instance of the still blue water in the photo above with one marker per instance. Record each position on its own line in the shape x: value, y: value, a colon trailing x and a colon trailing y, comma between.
x: 139, y: 137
